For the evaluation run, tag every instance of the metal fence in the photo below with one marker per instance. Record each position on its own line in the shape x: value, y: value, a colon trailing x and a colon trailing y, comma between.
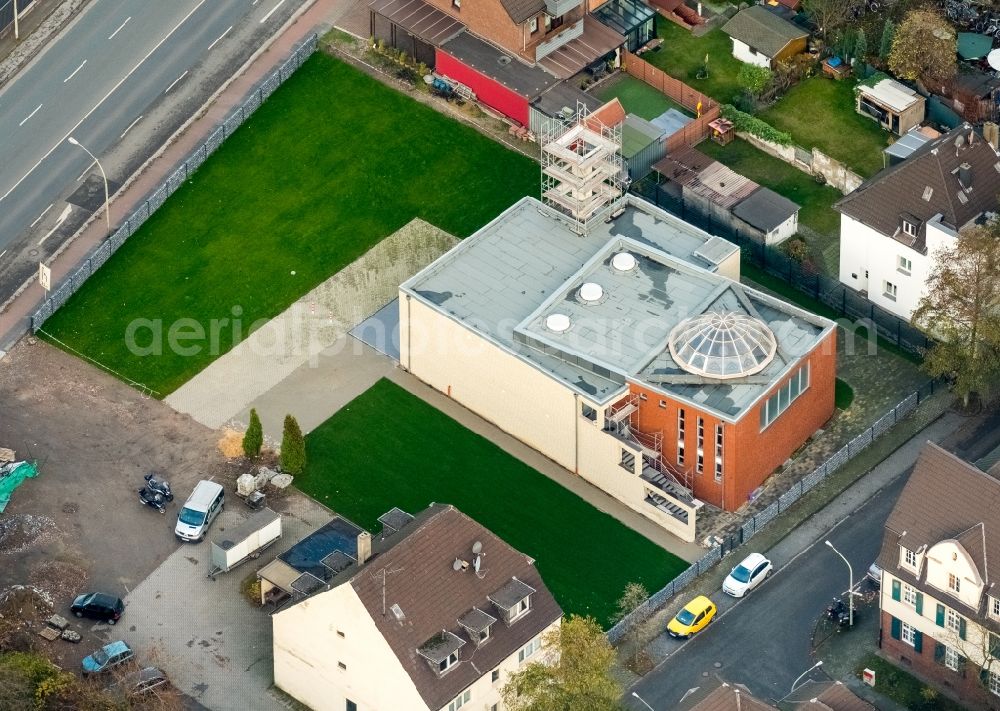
x: 7, y: 13
x: 184, y: 171
x: 757, y: 522
x: 803, y: 275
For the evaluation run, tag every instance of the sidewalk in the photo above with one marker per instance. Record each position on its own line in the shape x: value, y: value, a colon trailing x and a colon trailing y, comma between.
x: 316, y: 16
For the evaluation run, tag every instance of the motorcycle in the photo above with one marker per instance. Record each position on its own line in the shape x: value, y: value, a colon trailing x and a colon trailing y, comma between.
x: 156, y: 493
x: 839, y: 613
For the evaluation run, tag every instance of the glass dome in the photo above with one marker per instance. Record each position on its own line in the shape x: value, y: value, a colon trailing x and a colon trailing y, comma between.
x: 722, y: 345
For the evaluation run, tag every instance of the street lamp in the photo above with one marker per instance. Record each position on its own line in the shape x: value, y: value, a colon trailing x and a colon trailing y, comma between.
x: 850, y: 588
x: 643, y: 701
x: 17, y: 32
x: 107, y: 198
x: 795, y: 683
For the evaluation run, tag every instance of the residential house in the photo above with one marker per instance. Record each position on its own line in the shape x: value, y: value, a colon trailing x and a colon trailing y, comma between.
x: 623, y: 348
x: 506, y: 52
x: 761, y: 37
x: 436, y: 617
x: 896, y: 107
x: 894, y: 223
x: 940, y: 605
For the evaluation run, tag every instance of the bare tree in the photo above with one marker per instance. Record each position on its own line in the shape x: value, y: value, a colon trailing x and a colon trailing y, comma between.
x: 831, y: 15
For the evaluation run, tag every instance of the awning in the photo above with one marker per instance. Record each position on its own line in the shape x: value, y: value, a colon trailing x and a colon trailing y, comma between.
x: 418, y: 18
x: 972, y: 45
x: 596, y: 41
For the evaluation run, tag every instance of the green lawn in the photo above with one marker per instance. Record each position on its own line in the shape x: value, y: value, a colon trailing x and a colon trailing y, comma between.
x: 332, y: 163
x: 816, y: 200
x: 905, y: 689
x: 389, y: 448
x: 637, y: 97
x: 820, y: 112
x: 682, y: 54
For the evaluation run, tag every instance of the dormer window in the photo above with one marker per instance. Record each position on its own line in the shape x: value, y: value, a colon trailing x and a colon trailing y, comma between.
x: 478, y: 625
x: 909, y: 228
x: 954, y: 583
x: 994, y: 608
x: 908, y: 558
x: 446, y: 664
x: 513, y: 600
x: 441, y: 651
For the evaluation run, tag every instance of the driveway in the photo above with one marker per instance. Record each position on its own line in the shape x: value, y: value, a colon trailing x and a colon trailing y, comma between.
x: 213, y: 644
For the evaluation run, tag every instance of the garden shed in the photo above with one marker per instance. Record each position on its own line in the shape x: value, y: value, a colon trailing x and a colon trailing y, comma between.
x: 642, y: 145
x: 895, y: 106
x: 772, y: 218
x: 761, y: 37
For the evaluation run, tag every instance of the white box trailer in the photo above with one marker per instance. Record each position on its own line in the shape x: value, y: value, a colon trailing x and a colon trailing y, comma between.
x: 245, y: 541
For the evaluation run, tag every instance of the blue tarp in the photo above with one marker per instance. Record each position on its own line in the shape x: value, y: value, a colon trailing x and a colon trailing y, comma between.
x: 12, y: 475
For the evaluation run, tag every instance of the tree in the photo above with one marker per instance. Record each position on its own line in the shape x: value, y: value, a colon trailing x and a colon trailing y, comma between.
x: 293, y: 447
x: 575, y: 673
x: 253, y: 440
x: 831, y: 15
x: 924, y: 47
x: 754, y: 79
x: 885, y: 45
x: 634, y: 595
x: 860, y: 46
x: 961, y: 309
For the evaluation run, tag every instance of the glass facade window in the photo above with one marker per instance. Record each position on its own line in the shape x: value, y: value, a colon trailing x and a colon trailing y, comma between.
x: 797, y: 384
x: 632, y: 18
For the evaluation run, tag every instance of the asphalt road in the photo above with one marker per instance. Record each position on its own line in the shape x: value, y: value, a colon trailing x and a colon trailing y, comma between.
x: 764, y: 640
x: 95, y: 83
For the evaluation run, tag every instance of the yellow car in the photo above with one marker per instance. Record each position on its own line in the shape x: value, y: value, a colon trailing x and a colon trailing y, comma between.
x: 693, y: 618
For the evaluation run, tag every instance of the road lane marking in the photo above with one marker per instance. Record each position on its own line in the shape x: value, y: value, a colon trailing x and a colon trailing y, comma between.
x: 271, y: 12
x: 75, y: 71
x: 219, y: 39
x: 92, y: 164
x: 25, y: 120
x: 103, y: 99
x: 174, y: 82
x: 3, y: 253
x: 62, y: 219
x: 42, y: 215
x: 129, y: 128
x: 112, y: 35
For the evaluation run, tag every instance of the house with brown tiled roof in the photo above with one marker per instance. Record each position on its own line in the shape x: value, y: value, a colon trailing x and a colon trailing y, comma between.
x: 810, y: 696
x: 894, y: 223
x: 940, y: 560
x: 435, y: 614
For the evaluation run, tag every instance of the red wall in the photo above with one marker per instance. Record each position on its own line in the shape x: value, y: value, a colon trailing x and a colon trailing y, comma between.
x: 749, y: 456
x: 488, y: 91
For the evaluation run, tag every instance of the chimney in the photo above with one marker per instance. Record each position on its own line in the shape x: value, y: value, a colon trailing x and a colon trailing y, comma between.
x: 364, y: 547
x: 991, y: 132
x: 965, y: 175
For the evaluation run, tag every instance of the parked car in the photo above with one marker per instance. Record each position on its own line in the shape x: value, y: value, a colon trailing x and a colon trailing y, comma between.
x: 205, y: 503
x: 142, y: 682
x: 98, y: 606
x: 107, y: 657
x: 747, y: 575
x: 875, y: 574
x: 695, y: 616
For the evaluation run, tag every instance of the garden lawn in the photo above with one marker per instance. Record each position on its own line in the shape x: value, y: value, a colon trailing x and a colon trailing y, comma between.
x: 816, y: 200
x: 819, y: 112
x: 389, y: 448
x: 331, y: 164
x: 682, y: 54
x: 637, y: 97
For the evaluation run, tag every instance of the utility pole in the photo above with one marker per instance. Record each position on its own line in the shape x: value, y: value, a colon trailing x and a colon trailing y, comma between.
x: 17, y: 31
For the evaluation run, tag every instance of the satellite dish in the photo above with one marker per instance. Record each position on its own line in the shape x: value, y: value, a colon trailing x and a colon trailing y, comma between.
x: 477, y: 548
x: 457, y: 565
x: 993, y: 59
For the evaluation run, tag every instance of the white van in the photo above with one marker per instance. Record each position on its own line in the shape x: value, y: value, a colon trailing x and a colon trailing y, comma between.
x: 201, y: 508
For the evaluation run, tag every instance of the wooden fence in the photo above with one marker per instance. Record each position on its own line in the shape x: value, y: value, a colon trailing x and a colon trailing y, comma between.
x: 704, y: 107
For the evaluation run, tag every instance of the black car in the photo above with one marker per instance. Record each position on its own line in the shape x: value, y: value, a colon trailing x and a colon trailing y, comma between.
x: 98, y: 606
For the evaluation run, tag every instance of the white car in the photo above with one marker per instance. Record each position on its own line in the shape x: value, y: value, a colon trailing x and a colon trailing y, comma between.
x: 747, y: 575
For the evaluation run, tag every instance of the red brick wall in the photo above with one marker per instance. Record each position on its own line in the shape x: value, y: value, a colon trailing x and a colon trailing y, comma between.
x: 965, y: 685
x: 749, y: 456
x: 488, y: 91
x: 488, y: 19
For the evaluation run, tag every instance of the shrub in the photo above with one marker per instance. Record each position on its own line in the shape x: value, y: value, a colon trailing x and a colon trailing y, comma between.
x: 754, y: 79
x: 796, y: 249
x: 253, y: 440
x: 746, y: 123
x: 293, y: 447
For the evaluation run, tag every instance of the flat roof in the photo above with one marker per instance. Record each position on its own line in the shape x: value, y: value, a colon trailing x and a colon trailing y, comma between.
x: 507, y: 280
x: 892, y: 94
x: 507, y: 69
x: 307, y: 555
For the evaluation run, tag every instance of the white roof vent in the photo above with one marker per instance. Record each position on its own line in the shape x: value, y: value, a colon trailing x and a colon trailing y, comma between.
x: 557, y: 323
x: 397, y: 612
x: 591, y: 293
x: 623, y: 262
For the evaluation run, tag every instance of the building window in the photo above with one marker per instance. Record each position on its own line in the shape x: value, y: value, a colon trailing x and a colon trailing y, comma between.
x: 797, y: 384
x: 909, y: 228
x: 663, y: 404
x: 995, y: 683
x: 533, y: 25
x: 680, y: 437
x: 904, y: 265
x: 529, y: 649
x: 951, y: 659
x: 343, y: 667
x: 457, y: 4
x: 495, y: 707
x: 555, y: 23
x: 954, y: 584
x: 909, y: 558
x: 521, y: 608
x: 484, y: 635
x: 995, y: 607
x: 446, y: 664
x: 643, y: 397
x: 953, y: 621
x: 910, y: 595
x: 889, y: 290
x: 340, y: 634
x: 461, y: 700
x: 627, y: 461
x: 701, y: 445
x: 351, y: 706
x: 588, y: 412
x: 908, y: 634
x: 718, y: 452
x: 495, y: 676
